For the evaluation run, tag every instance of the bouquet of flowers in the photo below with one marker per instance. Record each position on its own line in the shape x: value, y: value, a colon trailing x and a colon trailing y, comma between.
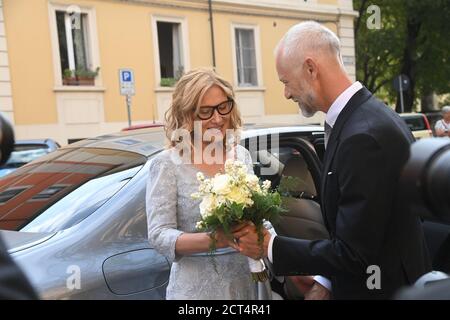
x: 235, y: 197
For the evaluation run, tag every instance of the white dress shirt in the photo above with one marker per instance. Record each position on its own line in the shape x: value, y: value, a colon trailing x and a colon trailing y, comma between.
x: 341, y: 102
x: 336, y: 107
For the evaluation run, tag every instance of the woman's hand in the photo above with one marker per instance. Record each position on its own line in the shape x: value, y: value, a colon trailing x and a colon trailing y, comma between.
x: 222, y: 241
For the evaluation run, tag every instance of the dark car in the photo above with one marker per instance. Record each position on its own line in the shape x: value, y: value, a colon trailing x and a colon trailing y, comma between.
x: 418, y: 124
x: 26, y: 151
x: 75, y: 219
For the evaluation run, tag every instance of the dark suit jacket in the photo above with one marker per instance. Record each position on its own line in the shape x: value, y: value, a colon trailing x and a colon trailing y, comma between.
x: 13, y: 284
x: 367, y: 149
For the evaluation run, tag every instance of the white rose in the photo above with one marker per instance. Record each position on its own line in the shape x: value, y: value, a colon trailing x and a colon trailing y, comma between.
x: 207, y: 205
x: 221, y: 184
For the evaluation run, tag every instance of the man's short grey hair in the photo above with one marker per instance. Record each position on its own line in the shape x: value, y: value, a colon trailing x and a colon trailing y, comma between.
x: 309, y: 36
x: 445, y: 109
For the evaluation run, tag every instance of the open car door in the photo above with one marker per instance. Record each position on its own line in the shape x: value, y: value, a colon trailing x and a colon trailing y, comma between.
x: 294, y: 168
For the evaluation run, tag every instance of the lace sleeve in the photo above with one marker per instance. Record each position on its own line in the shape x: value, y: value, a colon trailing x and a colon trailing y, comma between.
x: 244, y: 155
x: 161, y: 207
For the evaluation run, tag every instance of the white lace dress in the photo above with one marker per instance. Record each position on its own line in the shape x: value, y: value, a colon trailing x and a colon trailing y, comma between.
x: 171, y: 211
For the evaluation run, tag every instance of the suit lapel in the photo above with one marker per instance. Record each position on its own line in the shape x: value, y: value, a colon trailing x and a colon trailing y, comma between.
x: 356, y: 100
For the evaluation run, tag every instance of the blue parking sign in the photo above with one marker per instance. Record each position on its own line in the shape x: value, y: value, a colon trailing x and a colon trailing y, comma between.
x: 126, y: 78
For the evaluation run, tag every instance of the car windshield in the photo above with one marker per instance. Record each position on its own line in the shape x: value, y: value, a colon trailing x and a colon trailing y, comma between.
x: 23, y: 154
x: 415, y: 123
x: 63, y: 188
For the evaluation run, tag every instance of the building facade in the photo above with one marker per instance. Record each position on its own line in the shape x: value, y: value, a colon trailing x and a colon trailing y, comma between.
x: 60, y: 59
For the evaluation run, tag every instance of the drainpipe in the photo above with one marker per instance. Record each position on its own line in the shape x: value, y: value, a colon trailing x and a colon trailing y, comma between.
x: 211, y: 26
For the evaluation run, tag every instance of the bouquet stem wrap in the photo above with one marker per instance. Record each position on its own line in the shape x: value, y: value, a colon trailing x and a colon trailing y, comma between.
x: 258, y: 270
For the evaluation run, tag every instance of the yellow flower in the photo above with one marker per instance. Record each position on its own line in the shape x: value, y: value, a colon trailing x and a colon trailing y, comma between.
x: 238, y: 195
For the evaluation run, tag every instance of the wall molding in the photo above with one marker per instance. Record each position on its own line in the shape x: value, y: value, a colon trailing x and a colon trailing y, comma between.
x: 322, y: 13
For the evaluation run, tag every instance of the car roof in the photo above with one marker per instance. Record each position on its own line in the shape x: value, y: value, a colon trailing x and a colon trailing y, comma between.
x: 33, y: 141
x: 150, y: 140
x: 144, y: 125
x: 411, y: 114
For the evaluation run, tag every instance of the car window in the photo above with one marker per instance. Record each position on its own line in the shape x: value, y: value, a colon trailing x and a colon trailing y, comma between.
x: 79, y: 203
x: 287, y: 170
x: 61, y: 189
x: 23, y: 154
x: 415, y: 123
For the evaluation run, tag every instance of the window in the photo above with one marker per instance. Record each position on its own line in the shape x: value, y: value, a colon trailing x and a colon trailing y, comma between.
x: 74, y: 45
x: 9, y: 194
x: 171, y: 49
x: 72, y: 37
x: 23, y: 154
x: 170, y: 60
x: 415, y: 123
x: 290, y: 172
x: 80, y: 202
x: 246, y: 57
x: 48, y: 193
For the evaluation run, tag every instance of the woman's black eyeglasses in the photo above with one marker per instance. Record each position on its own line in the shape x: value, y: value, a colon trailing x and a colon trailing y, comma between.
x: 222, y: 108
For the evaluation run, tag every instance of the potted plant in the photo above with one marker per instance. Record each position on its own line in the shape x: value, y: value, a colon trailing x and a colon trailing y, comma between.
x: 86, y: 77
x: 69, y: 78
x: 168, y: 82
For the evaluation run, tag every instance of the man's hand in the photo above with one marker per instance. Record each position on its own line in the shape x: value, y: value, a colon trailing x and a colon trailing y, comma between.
x: 304, y: 284
x: 318, y: 292
x: 247, y: 240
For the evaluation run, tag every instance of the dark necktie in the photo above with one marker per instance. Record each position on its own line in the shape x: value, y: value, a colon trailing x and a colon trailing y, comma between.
x: 328, y: 129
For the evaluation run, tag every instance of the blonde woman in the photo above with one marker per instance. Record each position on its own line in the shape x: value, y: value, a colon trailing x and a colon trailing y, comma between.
x: 202, y: 106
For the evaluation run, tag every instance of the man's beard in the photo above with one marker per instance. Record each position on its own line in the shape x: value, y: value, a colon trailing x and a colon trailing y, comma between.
x: 306, y: 106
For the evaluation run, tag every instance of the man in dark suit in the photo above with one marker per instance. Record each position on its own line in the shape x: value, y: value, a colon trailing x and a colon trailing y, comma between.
x: 375, y: 246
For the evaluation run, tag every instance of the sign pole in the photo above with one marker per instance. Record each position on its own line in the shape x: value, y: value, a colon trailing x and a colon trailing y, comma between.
x: 127, y: 89
x: 400, y: 80
x: 128, y: 98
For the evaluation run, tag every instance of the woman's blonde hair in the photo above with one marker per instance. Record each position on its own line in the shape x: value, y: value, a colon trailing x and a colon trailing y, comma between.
x: 186, y: 99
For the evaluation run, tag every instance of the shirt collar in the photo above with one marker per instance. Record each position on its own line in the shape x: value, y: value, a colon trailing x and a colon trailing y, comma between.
x: 341, y: 102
